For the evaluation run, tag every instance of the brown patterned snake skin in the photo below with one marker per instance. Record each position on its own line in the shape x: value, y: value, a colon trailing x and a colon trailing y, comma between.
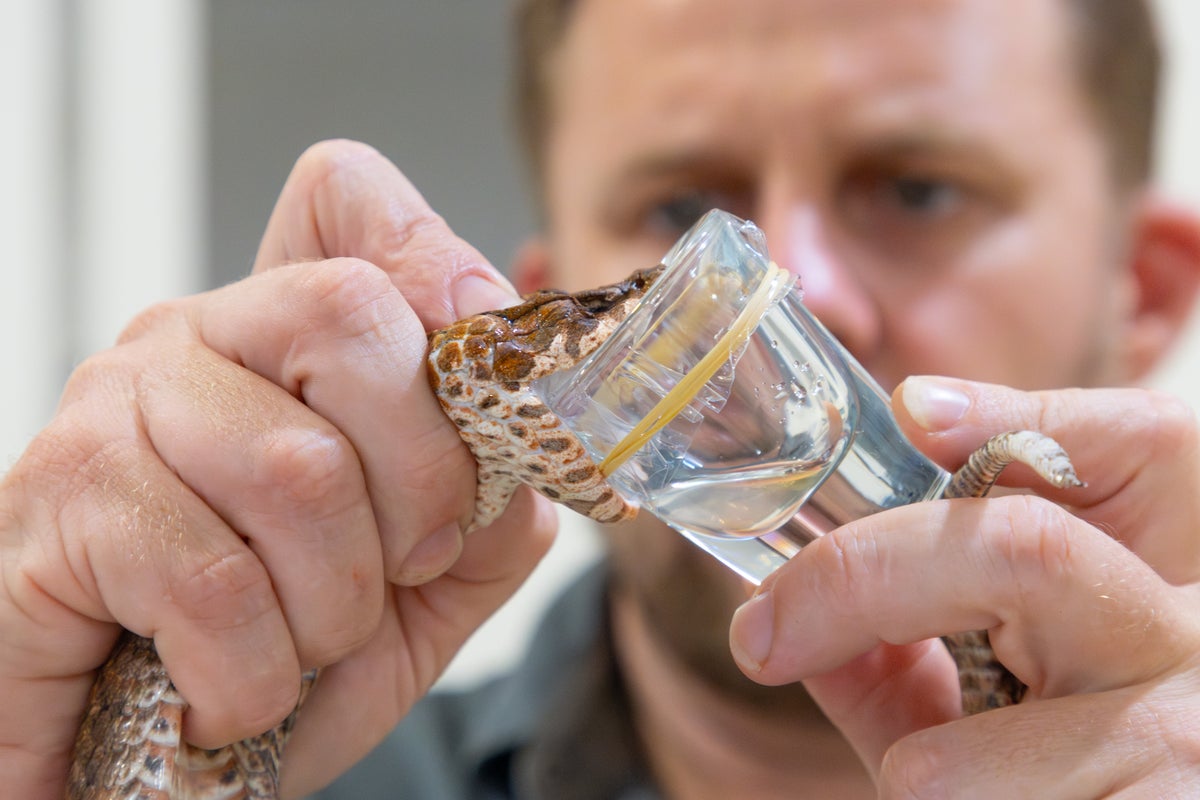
x: 480, y: 368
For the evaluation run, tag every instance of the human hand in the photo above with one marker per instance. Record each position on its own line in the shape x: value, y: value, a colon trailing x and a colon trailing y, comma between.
x: 260, y: 479
x: 1095, y: 608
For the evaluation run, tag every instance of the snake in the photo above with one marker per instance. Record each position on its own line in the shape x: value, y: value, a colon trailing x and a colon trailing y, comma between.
x: 129, y: 744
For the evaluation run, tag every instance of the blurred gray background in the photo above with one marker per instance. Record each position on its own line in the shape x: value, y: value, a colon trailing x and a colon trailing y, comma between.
x: 424, y: 81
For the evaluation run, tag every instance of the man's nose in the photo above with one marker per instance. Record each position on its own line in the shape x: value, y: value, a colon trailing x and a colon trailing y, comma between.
x: 797, y: 242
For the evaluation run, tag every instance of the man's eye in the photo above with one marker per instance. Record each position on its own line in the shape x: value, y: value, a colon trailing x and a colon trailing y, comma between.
x: 929, y: 197
x: 675, y: 215
x: 882, y: 200
x: 914, y: 215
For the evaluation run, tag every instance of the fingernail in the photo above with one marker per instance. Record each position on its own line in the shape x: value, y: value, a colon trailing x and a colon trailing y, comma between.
x: 934, y: 404
x: 474, y: 294
x: 751, y: 632
x: 431, y: 556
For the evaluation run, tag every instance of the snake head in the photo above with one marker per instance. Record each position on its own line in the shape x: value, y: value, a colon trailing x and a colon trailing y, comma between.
x: 482, y: 369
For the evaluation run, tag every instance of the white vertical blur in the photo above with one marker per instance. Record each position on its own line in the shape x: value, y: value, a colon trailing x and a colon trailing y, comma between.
x: 103, y: 200
x: 1179, y: 166
x: 1179, y: 21
x: 31, y: 139
x: 140, y: 196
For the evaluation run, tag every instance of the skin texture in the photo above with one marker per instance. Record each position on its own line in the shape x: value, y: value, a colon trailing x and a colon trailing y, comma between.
x: 260, y: 479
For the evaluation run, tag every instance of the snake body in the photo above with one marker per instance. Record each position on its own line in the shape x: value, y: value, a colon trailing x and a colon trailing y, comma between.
x: 129, y: 744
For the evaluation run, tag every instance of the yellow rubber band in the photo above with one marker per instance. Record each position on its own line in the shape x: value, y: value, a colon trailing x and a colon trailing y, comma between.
x: 677, y: 399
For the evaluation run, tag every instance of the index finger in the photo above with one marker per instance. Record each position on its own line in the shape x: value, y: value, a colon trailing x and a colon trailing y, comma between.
x: 1138, y: 452
x: 344, y: 198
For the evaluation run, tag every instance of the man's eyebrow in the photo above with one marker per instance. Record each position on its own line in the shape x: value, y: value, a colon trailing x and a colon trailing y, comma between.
x: 711, y: 164
x: 933, y: 140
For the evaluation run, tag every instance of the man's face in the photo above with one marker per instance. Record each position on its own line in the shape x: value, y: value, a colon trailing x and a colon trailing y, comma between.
x: 927, y: 167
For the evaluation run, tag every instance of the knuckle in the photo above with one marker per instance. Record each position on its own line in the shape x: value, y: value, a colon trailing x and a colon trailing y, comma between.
x: 224, y: 590
x: 153, y: 318
x: 101, y: 377
x: 912, y: 768
x: 1185, y: 747
x: 1177, y: 733
x: 339, y: 642
x: 1033, y: 541
x: 61, y: 450
x: 419, y: 233
x: 313, y: 473
x: 348, y: 295
x: 267, y: 703
x: 249, y: 702
x: 846, y: 563
x: 1173, y: 421
x: 74, y: 457
x: 1161, y: 711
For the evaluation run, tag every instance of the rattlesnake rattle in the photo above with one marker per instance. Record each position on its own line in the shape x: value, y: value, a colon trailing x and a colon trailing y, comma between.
x: 129, y: 744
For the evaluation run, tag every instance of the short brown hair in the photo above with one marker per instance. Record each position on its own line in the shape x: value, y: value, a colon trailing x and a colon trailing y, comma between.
x: 1119, y: 60
x: 1117, y: 54
x: 540, y: 28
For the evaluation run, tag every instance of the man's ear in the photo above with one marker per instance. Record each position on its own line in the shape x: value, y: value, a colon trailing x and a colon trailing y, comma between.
x: 531, y: 267
x: 1165, y: 264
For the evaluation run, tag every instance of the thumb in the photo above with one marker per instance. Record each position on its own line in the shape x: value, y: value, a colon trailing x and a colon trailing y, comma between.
x: 344, y: 198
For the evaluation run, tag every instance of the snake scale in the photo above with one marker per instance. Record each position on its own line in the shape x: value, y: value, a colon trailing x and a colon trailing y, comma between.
x: 129, y: 745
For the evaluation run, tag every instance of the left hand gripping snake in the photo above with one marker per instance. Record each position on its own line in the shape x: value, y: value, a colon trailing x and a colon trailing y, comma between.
x: 129, y: 744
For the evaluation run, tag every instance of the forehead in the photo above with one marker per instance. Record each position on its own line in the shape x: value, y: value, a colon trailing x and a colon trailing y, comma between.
x: 816, y: 65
